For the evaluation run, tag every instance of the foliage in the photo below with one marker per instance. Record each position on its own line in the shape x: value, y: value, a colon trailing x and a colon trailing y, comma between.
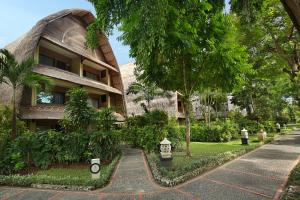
x: 17, y: 75
x: 205, y: 157
x: 146, y: 131
x: 292, y: 188
x: 10, y: 158
x: 146, y: 92
x: 104, y: 144
x: 174, y: 134
x: 78, y: 111
x: 251, y: 125
x: 220, y: 131
x: 105, y: 120
x: 278, y: 47
x: 28, y: 180
x: 192, y: 38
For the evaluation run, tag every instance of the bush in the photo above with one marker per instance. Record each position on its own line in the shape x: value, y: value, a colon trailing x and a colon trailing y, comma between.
x: 28, y: 180
x: 216, y: 132
x: 78, y: 111
x: 104, y: 145
x: 146, y: 131
x: 174, y: 134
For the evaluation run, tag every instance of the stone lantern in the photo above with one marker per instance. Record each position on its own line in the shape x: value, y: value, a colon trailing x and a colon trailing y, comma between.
x: 261, y: 135
x: 244, y: 136
x: 165, y: 149
x: 165, y: 153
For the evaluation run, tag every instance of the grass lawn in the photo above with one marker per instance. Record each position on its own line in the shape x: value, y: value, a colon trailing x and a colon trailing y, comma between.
x: 80, y: 172
x: 293, y: 186
x: 205, y: 155
x: 72, y: 176
x: 201, y: 150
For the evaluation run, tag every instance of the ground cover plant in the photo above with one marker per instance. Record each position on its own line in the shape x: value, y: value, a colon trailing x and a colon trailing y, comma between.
x: 292, y: 190
x: 205, y: 156
x: 24, y: 160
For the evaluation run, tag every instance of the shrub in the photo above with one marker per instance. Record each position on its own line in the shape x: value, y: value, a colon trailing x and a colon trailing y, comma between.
x: 174, y: 134
x: 78, y: 110
x: 216, y: 132
x: 104, y: 144
x: 146, y: 131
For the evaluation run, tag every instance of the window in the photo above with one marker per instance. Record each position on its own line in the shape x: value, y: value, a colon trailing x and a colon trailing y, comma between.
x: 103, y: 98
x: 90, y: 75
x: 103, y: 74
x: 51, y: 98
x: 94, y: 102
x: 62, y: 65
x: 45, y: 60
x: 48, y: 61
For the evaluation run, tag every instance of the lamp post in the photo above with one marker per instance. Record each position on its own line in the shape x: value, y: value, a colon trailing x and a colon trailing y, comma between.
x: 244, y: 137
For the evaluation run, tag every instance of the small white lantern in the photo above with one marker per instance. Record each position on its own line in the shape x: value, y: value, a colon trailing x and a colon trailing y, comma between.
x: 165, y: 149
x: 95, y: 168
x: 244, y: 136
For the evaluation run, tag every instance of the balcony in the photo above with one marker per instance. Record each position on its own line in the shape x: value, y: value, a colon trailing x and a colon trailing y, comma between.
x: 73, y: 78
x: 50, y: 111
x: 42, y: 111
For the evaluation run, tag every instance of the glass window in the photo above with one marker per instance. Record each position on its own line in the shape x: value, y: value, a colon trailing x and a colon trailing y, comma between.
x: 94, y: 102
x: 51, y: 98
x: 62, y: 65
x: 45, y: 60
x: 103, y: 74
x: 103, y: 98
x: 90, y: 75
x: 48, y: 61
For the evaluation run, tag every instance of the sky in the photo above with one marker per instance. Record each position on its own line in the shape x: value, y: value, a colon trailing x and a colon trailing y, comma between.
x: 19, y: 16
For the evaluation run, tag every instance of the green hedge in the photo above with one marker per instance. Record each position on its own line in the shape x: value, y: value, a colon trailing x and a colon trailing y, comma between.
x: 222, y: 131
x: 49, y: 147
x: 28, y: 180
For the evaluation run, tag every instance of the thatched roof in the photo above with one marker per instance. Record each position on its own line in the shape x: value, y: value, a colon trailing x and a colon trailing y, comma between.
x: 168, y: 105
x: 25, y: 45
x: 66, y: 29
x: 128, y: 77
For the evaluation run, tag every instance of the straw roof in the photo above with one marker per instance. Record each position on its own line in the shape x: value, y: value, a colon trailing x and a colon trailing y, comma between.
x: 128, y: 77
x: 66, y: 29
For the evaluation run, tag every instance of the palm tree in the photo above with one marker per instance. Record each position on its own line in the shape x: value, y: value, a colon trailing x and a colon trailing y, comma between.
x: 147, y: 93
x: 16, y: 75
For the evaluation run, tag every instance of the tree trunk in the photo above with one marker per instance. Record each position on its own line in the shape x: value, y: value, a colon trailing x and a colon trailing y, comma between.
x: 186, y: 104
x: 14, y: 117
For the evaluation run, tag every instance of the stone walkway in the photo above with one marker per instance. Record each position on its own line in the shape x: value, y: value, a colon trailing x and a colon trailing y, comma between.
x: 260, y: 174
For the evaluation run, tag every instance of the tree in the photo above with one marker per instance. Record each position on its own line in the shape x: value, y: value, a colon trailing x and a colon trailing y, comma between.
x: 78, y: 111
x: 16, y: 75
x: 178, y: 45
x: 271, y: 38
x: 249, y: 9
x: 146, y: 92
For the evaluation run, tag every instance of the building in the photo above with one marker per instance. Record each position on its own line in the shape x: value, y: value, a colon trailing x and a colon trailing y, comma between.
x: 58, y: 44
x: 173, y: 106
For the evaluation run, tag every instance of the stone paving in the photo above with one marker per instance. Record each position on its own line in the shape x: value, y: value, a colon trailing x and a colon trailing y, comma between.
x: 260, y: 174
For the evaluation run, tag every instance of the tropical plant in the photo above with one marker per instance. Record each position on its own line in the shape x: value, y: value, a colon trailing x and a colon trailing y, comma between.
x: 146, y: 92
x: 78, y: 111
x: 187, y: 44
x: 17, y: 75
x: 105, y: 119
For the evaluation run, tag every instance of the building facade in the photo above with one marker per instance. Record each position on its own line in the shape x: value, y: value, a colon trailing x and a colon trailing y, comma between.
x: 58, y: 45
x: 173, y: 105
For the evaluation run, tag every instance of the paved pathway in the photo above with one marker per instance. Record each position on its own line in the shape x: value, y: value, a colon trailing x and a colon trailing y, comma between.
x: 260, y: 174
